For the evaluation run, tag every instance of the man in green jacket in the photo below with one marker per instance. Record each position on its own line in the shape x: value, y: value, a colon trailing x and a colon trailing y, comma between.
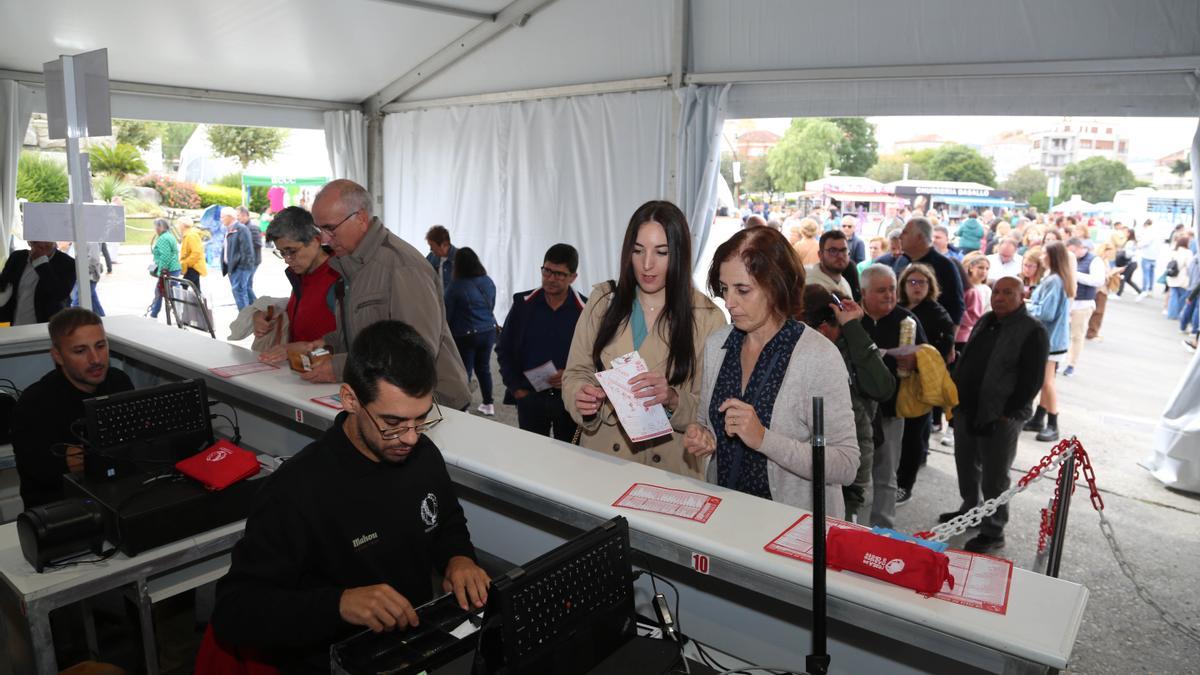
x: 870, y: 380
x: 166, y: 260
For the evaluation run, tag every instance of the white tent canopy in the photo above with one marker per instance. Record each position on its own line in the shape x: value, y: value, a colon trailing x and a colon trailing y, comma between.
x: 555, y: 171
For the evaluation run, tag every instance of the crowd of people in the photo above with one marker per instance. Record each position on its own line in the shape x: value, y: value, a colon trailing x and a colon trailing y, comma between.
x: 919, y: 332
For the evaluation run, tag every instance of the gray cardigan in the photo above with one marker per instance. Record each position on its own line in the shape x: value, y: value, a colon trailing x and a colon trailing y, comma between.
x: 816, y: 369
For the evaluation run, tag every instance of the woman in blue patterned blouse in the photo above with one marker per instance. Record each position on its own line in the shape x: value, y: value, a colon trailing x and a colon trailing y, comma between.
x: 760, y: 375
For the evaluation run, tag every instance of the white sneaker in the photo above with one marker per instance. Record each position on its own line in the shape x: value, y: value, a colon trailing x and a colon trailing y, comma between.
x: 948, y: 440
x: 488, y: 409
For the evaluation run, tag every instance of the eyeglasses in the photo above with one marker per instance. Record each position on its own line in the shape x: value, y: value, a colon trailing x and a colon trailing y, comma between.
x: 837, y: 251
x: 284, y: 254
x: 547, y: 272
x: 917, y: 282
x: 391, y: 434
x: 328, y: 229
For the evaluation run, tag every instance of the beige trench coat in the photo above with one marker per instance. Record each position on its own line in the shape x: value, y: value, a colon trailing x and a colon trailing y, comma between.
x: 602, y: 432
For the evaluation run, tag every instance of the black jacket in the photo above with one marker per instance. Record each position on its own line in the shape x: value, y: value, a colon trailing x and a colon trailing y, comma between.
x: 938, y: 327
x: 41, y: 423
x: 330, y: 519
x: 1001, y: 369
x: 55, y: 280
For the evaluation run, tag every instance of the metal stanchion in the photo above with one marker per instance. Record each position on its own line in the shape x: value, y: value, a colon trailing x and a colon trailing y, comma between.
x: 817, y: 663
x: 1066, y: 484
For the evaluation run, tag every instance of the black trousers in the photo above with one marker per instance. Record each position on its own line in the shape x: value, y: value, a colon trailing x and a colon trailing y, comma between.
x: 983, y: 463
x: 913, y: 448
x: 193, y: 276
x: 542, y: 412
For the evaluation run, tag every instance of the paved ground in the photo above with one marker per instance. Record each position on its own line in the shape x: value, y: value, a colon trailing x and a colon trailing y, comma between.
x: 1112, y: 405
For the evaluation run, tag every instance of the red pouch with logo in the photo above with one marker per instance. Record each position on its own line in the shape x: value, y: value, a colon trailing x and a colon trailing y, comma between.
x: 219, y: 465
x: 896, y: 562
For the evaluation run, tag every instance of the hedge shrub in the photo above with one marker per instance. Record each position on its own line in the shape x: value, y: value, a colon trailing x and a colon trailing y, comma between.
x: 41, y: 179
x: 216, y: 194
x: 175, y: 194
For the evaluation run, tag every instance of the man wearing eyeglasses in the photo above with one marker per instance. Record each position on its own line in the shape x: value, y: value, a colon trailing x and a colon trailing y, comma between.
x: 346, y: 534
x: 383, y: 277
x: 833, y: 258
x: 538, y: 331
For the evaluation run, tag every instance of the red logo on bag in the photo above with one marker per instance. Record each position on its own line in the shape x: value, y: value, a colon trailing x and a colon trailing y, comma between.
x: 218, y: 455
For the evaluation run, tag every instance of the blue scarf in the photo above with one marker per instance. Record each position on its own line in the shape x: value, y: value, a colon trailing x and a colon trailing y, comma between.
x: 738, y: 466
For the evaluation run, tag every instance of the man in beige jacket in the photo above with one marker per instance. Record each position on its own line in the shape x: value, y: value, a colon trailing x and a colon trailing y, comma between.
x: 383, y: 277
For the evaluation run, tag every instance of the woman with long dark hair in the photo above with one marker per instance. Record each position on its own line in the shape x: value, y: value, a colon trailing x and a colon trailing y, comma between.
x: 651, y: 308
x: 1051, y: 304
x: 470, y: 311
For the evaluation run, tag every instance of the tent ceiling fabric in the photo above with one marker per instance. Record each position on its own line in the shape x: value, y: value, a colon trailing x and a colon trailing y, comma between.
x: 349, y: 50
x: 317, y: 49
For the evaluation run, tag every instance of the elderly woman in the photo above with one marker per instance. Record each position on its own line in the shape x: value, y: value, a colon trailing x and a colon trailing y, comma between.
x: 760, y: 375
x: 653, y: 309
x: 191, y: 252
x: 165, y: 250
x: 310, y: 309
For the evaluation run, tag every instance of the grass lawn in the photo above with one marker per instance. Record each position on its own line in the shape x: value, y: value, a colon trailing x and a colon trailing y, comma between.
x: 140, y: 236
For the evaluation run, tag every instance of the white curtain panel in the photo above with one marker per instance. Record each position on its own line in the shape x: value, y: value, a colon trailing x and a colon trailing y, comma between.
x: 510, y: 180
x: 699, y: 143
x: 16, y: 104
x: 346, y: 140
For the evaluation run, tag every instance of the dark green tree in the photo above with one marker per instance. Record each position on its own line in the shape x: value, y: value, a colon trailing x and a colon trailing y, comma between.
x: 247, y: 144
x: 954, y: 162
x: 858, y: 150
x: 1096, y: 179
x: 1181, y: 166
x: 137, y: 133
x: 175, y: 136
x: 1025, y: 182
x: 756, y: 177
x: 807, y: 148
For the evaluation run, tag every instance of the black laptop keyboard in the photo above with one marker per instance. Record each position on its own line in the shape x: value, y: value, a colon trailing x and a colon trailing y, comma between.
x: 179, y: 411
x: 578, y: 588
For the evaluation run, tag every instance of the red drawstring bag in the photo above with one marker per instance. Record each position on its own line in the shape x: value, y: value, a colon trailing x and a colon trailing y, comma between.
x: 896, y: 562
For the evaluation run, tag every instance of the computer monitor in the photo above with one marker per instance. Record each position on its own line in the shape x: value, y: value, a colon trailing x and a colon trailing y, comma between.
x: 146, y: 429
x: 565, y: 611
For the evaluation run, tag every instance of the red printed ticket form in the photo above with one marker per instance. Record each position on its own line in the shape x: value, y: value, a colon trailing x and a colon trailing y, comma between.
x: 242, y: 369
x: 685, y: 504
x: 980, y: 581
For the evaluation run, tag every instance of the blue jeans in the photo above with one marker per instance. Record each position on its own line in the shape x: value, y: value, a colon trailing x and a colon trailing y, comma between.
x: 239, y: 281
x: 1147, y: 275
x: 1175, y: 302
x: 1190, y: 314
x: 96, y: 307
x: 158, y: 291
x: 476, y: 352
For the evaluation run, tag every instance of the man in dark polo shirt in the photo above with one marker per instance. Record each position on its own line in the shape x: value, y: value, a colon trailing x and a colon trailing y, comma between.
x: 44, y: 443
x: 538, y: 329
x: 347, y: 533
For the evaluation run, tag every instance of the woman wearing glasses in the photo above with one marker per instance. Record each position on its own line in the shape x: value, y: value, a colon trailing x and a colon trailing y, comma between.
x: 651, y: 308
x: 918, y: 289
x: 310, y: 308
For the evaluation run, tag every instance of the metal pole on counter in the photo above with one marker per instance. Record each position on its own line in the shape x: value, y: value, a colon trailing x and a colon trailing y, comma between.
x: 817, y: 662
x: 1066, y: 485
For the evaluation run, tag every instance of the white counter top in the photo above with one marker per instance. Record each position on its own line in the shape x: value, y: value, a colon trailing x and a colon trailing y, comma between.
x: 1043, y: 616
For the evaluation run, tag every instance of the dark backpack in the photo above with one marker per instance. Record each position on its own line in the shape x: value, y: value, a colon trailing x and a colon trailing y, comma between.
x: 1173, y: 268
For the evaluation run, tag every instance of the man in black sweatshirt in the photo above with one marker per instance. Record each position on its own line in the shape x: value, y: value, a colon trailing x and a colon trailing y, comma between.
x: 347, y: 533
x: 44, y: 436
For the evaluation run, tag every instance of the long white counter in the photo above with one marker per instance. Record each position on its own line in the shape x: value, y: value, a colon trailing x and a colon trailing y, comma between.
x: 524, y: 493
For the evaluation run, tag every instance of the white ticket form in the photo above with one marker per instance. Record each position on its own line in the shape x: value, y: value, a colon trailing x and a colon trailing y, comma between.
x: 539, y: 378
x: 640, y: 423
